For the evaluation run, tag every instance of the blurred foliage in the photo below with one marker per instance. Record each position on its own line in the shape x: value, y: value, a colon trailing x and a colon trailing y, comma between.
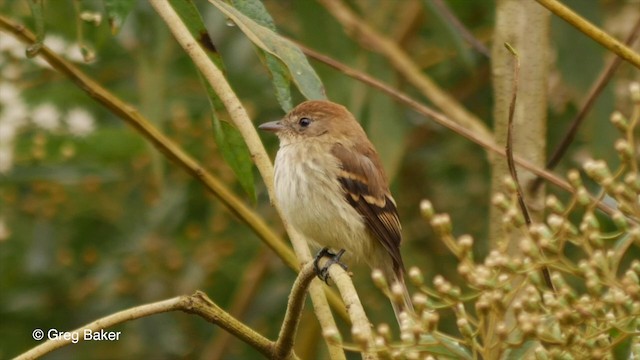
x: 94, y: 220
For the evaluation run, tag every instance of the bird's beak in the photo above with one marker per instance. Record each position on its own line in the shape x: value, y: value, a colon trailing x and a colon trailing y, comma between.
x: 272, y: 126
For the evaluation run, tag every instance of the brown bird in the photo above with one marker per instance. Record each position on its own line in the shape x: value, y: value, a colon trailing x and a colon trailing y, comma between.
x: 331, y: 187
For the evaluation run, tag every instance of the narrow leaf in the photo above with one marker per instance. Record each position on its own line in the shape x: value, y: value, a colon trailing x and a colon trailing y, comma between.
x: 235, y: 153
x: 190, y: 16
x: 232, y: 146
x: 278, y: 71
x: 228, y: 139
x: 37, y: 12
x: 302, y: 73
x: 117, y: 11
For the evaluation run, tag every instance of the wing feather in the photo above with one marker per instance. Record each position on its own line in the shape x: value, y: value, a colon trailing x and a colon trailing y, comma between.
x: 366, y: 189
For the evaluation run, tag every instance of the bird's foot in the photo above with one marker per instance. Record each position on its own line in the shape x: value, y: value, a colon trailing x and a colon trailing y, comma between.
x: 323, y: 273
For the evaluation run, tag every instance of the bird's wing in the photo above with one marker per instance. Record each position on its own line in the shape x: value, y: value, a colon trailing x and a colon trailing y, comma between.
x: 366, y: 189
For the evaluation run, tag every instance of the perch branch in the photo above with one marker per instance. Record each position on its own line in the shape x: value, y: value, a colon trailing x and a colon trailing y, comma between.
x: 198, y: 304
x: 284, y: 344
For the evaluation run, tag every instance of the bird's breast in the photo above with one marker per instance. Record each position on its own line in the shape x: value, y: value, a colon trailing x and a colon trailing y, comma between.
x: 312, y: 199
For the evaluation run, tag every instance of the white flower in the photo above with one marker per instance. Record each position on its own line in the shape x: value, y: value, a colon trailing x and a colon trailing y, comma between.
x: 8, y: 94
x: 14, y: 112
x: 11, y: 45
x: 6, y: 159
x: 80, y: 122
x: 46, y: 116
x: 10, y: 71
x: 56, y: 43
x: 7, y: 132
x: 4, y: 230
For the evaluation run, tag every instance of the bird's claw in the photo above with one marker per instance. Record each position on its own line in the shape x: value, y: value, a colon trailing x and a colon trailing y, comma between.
x: 323, y: 273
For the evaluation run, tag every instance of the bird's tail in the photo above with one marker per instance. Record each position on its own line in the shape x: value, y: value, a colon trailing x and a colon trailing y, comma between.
x: 399, y: 295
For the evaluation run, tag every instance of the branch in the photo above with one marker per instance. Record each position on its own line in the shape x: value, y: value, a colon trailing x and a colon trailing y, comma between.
x: 594, y: 92
x: 284, y: 344
x: 592, y: 31
x: 198, y: 304
x: 509, y: 150
x: 361, y: 328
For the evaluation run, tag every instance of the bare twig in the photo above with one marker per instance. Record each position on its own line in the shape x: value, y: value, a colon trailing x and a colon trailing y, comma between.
x: 198, y: 304
x: 443, y: 10
x: 361, y: 328
x: 592, y: 31
x: 594, y: 92
x: 509, y: 151
x: 443, y: 120
x: 284, y: 344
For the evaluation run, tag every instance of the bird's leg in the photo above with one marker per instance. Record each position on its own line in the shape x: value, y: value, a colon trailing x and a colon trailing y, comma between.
x: 323, y: 273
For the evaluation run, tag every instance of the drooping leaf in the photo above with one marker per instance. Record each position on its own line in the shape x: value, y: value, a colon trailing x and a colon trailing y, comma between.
x: 229, y: 140
x: 235, y: 152
x: 278, y: 71
x: 190, y: 16
x: 301, y: 71
x: 117, y: 11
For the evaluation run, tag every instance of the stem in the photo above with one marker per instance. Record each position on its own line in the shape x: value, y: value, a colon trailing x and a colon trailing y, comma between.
x: 592, y: 31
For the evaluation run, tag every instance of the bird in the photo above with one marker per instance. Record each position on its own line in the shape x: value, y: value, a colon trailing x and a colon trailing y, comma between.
x: 332, y: 188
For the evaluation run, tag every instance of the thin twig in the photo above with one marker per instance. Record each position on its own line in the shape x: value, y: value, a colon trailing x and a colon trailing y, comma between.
x: 284, y: 344
x: 443, y: 10
x: 592, y: 31
x: 361, y: 328
x: 198, y: 303
x: 509, y: 151
x: 594, y: 92
x: 443, y: 120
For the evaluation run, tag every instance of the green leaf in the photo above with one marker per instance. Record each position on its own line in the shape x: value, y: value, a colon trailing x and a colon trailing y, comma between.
x: 190, y: 16
x: 117, y: 11
x: 232, y: 146
x: 235, y: 152
x: 622, y: 349
x: 278, y: 71
x: 280, y: 79
x: 36, y: 7
x: 302, y: 73
x: 229, y: 140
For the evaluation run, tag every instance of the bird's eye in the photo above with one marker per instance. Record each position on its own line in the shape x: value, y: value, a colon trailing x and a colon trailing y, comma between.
x: 304, y: 122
